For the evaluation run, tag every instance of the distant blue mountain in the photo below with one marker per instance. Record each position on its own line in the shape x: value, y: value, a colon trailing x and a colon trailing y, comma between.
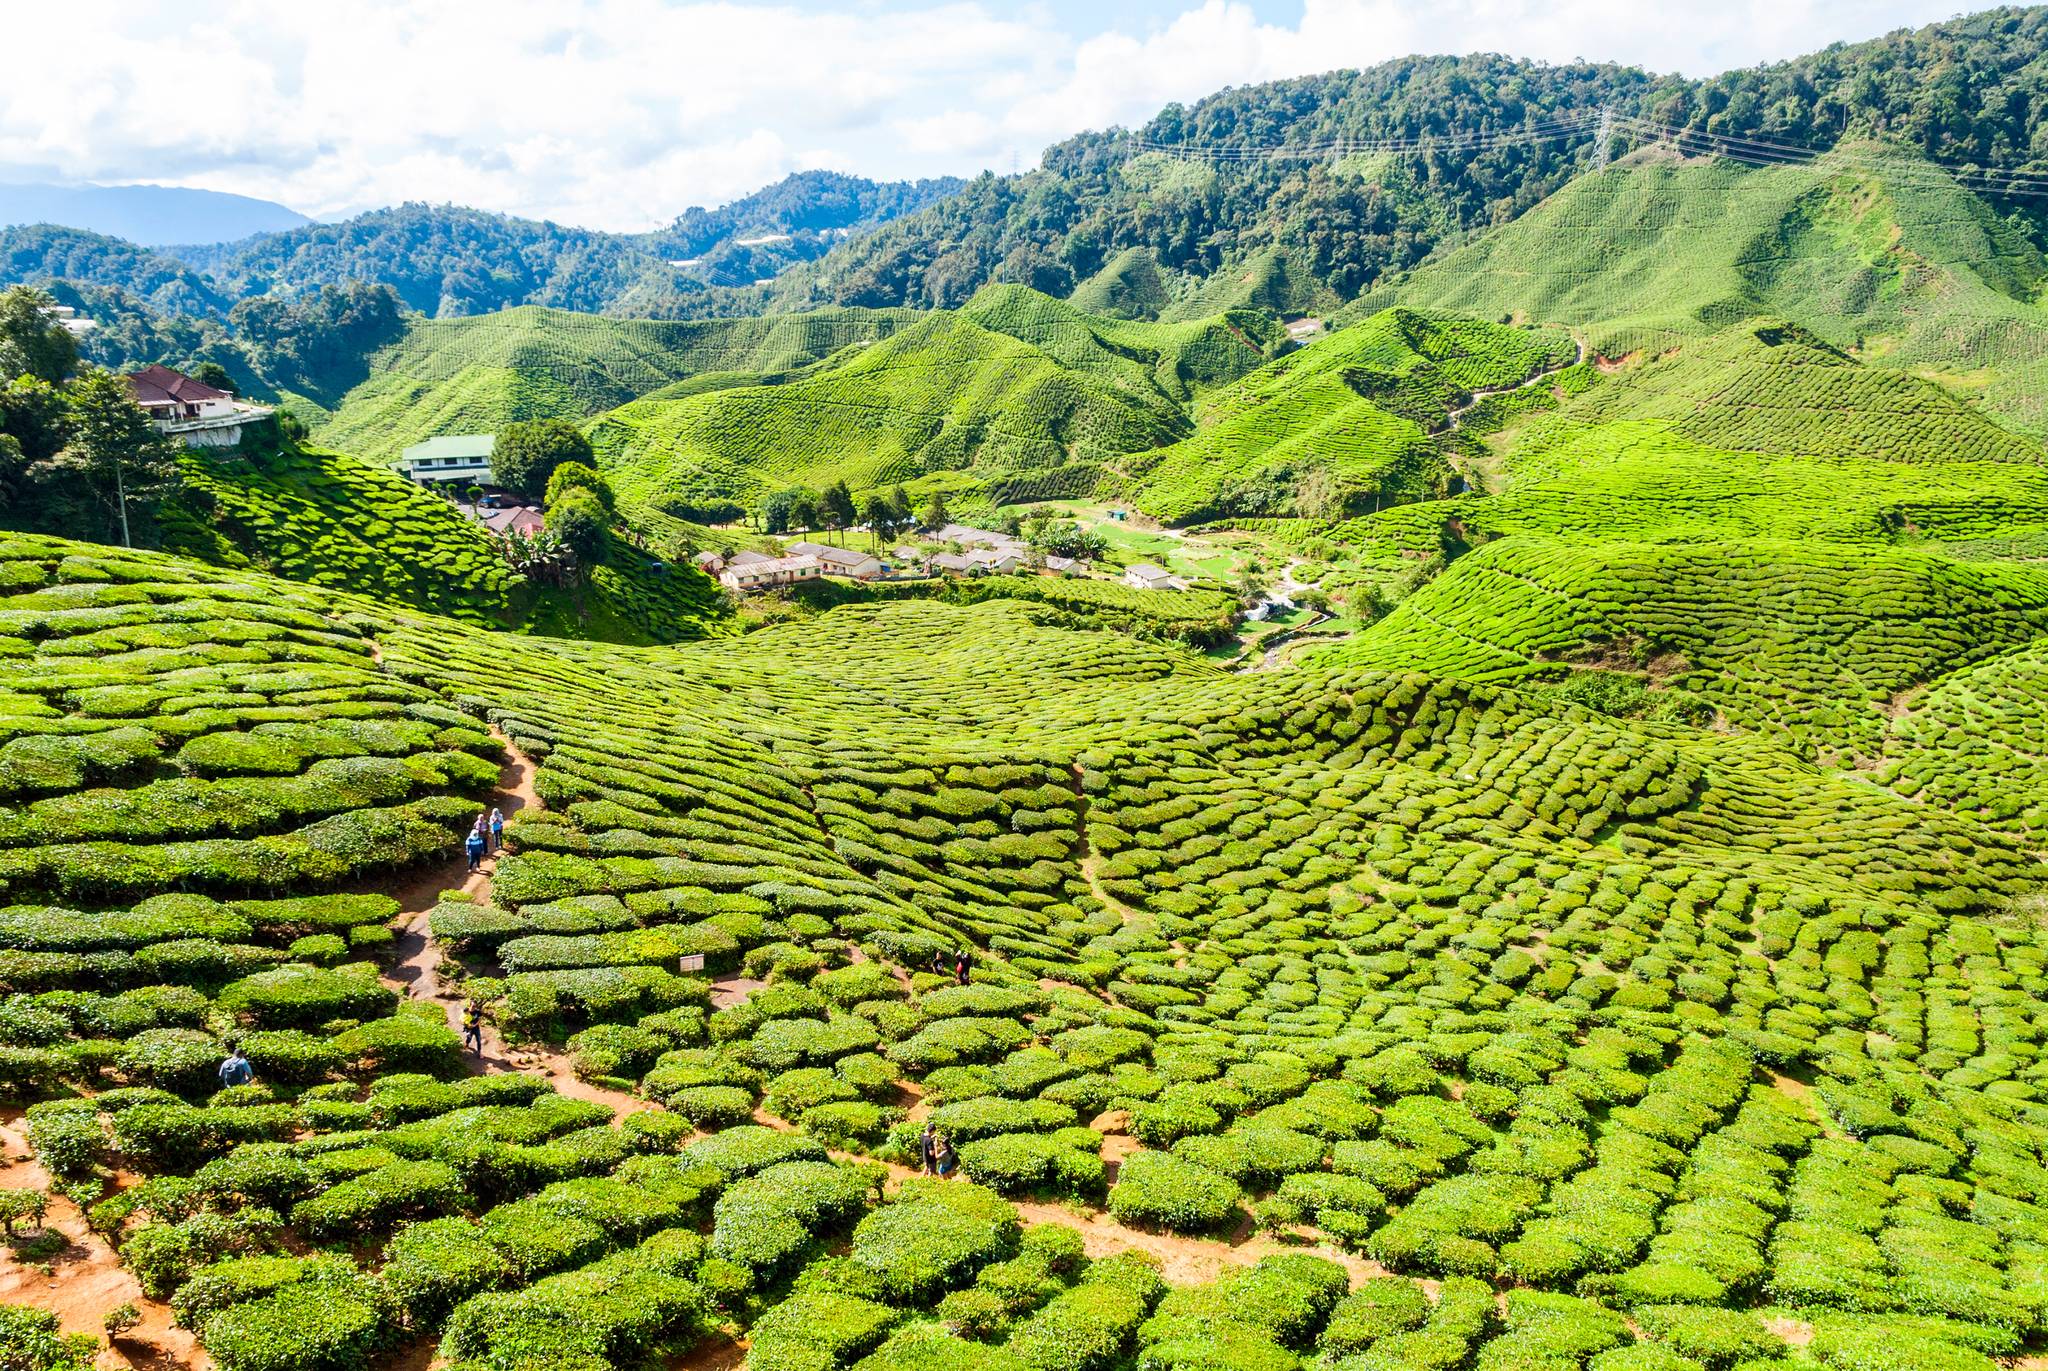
x: 154, y: 216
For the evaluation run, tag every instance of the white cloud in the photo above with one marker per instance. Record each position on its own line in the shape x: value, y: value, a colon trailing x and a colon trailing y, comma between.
x: 619, y: 113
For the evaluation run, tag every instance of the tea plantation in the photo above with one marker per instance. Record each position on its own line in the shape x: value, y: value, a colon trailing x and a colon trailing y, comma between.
x: 1395, y: 1010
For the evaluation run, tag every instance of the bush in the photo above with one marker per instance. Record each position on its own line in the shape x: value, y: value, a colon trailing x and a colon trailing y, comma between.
x: 375, y: 1200
x: 818, y: 1328
x: 768, y: 1219
x: 932, y: 1238
x: 306, y: 997
x: 303, y: 1327
x: 402, y: 1043
x: 1092, y: 1326
x: 30, y: 1341
x: 1377, y: 1309
x: 1159, y: 1190
x: 431, y: 1267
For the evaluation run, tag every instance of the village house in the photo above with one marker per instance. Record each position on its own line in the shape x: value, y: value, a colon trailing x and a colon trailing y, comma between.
x: 464, y: 457
x: 190, y: 410
x: 841, y: 561
x: 949, y: 564
x: 710, y: 563
x: 1064, y: 566
x: 766, y: 573
x: 524, y: 520
x: 996, y: 559
x: 1145, y: 576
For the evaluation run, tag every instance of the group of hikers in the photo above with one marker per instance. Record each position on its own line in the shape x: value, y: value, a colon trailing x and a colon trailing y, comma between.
x: 486, y: 836
x: 935, y: 1151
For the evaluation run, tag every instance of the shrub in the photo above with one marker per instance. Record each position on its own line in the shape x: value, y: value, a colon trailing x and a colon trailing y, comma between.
x: 1157, y: 1189
x: 767, y: 1219
x: 30, y: 1340
x: 932, y: 1238
x: 303, y: 1327
x: 402, y: 1043
x: 535, y: 1240
x: 1090, y: 1327
x: 818, y: 1328
x: 712, y: 1107
x: 377, y: 1199
x: 433, y: 1266
x: 1377, y: 1309
x: 305, y: 997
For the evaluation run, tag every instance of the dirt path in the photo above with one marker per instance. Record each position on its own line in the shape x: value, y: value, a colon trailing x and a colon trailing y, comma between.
x: 416, y: 974
x: 85, y: 1277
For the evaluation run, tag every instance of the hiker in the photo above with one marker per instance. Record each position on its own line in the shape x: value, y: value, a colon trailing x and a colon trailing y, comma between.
x: 928, y: 1150
x: 497, y: 829
x: 474, y: 846
x: 473, y: 1028
x: 960, y: 966
x: 236, y: 1069
x: 948, y: 1159
x: 939, y: 962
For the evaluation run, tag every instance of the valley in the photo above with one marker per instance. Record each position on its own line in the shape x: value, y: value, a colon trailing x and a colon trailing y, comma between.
x: 1428, y: 759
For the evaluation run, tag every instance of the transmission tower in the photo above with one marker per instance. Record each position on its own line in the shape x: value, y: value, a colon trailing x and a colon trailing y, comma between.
x: 1602, y: 138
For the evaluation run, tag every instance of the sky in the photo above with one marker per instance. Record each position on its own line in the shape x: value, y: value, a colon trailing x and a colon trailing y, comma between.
x: 618, y: 114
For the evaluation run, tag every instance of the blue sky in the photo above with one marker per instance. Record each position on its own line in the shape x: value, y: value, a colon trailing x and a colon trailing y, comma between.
x: 620, y: 113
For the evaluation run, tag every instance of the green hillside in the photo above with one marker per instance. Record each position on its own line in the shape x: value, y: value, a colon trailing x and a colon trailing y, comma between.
x: 1365, y: 410
x: 475, y: 375
x: 328, y: 520
x: 1015, y: 386
x: 1875, y: 252
x: 1514, y: 1026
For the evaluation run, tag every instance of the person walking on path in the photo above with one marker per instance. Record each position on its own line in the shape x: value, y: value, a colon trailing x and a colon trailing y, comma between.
x: 928, y: 1149
x: 473, y: 1029
x: 473, y: 845
x: 236, y: 1069
x: 497, y: 830
x: 947, y: 1157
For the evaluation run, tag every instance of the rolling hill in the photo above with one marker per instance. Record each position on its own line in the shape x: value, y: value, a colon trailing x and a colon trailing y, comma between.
x: 1015, y: 387
x: 1876, y: 252
x: 1366, y: 414
x: 477, y: 374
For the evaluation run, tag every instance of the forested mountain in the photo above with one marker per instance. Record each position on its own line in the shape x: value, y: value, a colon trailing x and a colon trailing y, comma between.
x: 444, y: 260
x: 1970, y: 91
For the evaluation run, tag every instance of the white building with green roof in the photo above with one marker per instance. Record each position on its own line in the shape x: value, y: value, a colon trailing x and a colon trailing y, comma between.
x: 451, y: 457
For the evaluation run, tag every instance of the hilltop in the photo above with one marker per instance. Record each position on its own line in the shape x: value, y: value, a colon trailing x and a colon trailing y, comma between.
x: 1016, y: 390
x: 478, y: 374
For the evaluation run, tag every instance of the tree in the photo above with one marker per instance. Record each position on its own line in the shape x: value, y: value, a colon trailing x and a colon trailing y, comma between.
x: 527, y: 453
x: 778, y: 511
x: 803, y: 512
x: 899, y: 507
x: 128, y: 464
x: 579, y: 476
x: 880, y: 516
x: 215, y: 375
x: 935, y: 514
x: 32, y: 341
x: 579, y: 520
x: 836, y: 504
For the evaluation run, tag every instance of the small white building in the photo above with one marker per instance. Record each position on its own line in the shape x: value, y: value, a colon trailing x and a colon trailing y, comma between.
x: 464, y: 457
x: 1145, y: 576
x: 191, y: 410
x: 841, y: 561
x: 769, y: 572
x: 996, y: 559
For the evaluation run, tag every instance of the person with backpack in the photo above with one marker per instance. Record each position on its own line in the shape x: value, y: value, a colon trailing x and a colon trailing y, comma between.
x: 473, y: 845
x: 473, y: 1028
x: 236, y: 1069
x: 960, y: 966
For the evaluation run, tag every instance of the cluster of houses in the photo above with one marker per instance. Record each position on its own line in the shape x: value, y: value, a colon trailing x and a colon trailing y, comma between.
x: 983, y: 553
